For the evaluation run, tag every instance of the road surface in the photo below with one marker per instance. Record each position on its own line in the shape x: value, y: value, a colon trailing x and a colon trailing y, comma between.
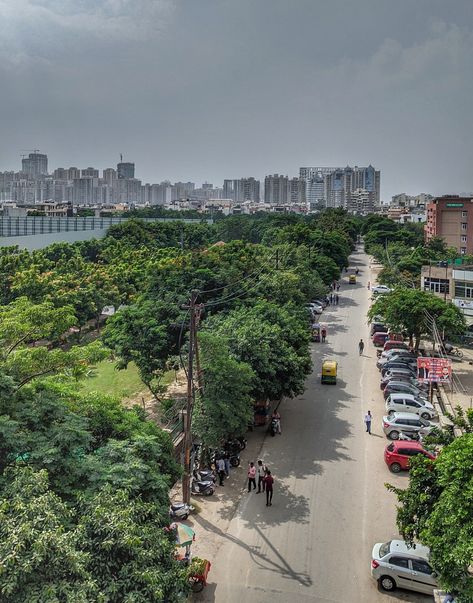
x: 330, y: 504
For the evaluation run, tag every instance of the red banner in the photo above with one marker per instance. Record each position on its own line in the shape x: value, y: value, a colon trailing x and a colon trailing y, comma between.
x: 434, y: 370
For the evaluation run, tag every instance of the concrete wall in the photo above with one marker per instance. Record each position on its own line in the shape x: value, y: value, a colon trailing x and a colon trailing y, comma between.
x: 40, y: 241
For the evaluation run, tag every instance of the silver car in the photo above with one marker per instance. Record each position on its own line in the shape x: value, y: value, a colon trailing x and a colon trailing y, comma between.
x: 400, y: 402
x: 405, y: 422
x: 395, y: 564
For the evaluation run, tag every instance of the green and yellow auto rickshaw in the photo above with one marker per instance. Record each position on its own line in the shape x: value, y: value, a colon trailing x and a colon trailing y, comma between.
x: 329, y: 371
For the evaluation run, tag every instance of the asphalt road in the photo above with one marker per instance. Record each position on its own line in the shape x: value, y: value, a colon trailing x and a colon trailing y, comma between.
x: 330, y: 504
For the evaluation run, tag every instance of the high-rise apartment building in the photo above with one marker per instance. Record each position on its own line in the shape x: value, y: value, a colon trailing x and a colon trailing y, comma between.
x: 36, y: 164
x: 125, y: 170
x: 333, y: 186
x: 276, y: 189
x: 451, y: 218
x: 244, y: 189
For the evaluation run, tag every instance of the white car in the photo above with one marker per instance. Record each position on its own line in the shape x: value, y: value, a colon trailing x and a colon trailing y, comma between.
x: 395, y: 564
x: 315, y: 308
x: 380, y: 289
x: 400, y: 402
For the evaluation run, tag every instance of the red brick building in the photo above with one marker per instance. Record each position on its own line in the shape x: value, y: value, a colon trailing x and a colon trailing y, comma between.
x: 451, y: 217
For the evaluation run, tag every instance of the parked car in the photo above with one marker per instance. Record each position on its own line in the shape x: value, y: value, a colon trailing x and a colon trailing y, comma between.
x: 401, y: 375
x: 398, y: 402
x: 379, y: 338
x: 402, y: 363
x: 378, y: 327
x: 407, y: 423
x: 380, y: 289
x: 395, y: 564
x: 398, y: 454
x: 393, y: 355
x: 404, y: 387
x: 320, y: 301
x: 397, y: 344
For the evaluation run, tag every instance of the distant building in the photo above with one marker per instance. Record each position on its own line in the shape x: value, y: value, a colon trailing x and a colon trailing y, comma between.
x: 334, y: 186
x: 403, y: 200
x: 244, y: 189
x: 360, y: 202
x: 451, y: 218
x: 126, y: 170
x: 90, y: 172
x: 276, y: 189
x: 36, y: 164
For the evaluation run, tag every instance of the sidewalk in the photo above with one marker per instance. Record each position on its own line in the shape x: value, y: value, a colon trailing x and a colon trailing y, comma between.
x: 213, y: 514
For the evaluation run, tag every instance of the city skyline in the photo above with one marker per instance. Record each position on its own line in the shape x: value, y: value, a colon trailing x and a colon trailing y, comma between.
x: 185, y: 89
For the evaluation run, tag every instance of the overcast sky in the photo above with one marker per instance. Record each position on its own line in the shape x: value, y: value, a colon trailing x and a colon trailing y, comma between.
x: 213, y: 89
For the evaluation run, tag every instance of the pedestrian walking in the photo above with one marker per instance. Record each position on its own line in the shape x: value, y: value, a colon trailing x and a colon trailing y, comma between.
x: 369, y: 285
x: 251, y: 476
x: 221, y: 471
x: 269, y: 482
x: 361, y: 346
x: 260, y: 472
x: 324, y: 334
x: 336, y: 299
x: 338, y: 286
x: 226, y: 460
x: 368, y: 419
x: 331, y: 298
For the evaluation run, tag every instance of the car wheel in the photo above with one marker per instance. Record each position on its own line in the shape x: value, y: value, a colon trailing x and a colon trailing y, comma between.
x: 209, y: 492
x: 425, y: 415
x: 394, y: 435
x: 395, y: 467
x: 387, y: 583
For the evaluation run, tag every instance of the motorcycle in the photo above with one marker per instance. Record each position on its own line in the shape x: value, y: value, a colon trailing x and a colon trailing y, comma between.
x: 180, y: 511
x: 236, y: 444
x: 413, y: 437
x: 274, y: 427
x: 205, y: 475
x: 205, y: 488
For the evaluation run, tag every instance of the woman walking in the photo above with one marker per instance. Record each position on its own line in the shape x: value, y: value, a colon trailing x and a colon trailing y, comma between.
x: 268, y: 484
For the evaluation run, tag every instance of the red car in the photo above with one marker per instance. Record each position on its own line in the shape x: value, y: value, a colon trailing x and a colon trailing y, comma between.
x: 379, y: 339
x: 398, y: 453
x: 394, y: 344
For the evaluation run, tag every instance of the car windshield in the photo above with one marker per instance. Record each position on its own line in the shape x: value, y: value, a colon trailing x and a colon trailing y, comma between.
x: 384, y: 549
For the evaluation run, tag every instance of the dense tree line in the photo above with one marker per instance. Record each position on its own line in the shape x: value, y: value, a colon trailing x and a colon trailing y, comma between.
x: 84, y: 481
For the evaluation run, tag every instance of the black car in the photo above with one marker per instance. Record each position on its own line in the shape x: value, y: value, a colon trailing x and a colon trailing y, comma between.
x: 378, y: 327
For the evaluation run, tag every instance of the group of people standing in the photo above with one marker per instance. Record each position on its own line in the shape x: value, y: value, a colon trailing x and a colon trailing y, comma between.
x: 333, y: 299
x: 265, y: 480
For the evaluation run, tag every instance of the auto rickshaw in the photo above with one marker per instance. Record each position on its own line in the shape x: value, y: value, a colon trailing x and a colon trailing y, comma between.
x: 329, y: 371
x: 352, y: 279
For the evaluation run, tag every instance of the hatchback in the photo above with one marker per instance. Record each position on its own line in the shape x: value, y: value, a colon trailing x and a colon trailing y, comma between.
x: 378, y: 327
x: 380, y: 289
x: 395, y: 343
x: 394, y: 354
x: 379, y: 338
x: 399, y: 364
x: 398, y: 454
x: 395, y: 564
x: 398, y: 402
x: 404, y: 387
x: 407, y: 423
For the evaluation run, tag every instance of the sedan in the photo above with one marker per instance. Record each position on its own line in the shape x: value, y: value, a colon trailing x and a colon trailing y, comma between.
x: 381, y: 289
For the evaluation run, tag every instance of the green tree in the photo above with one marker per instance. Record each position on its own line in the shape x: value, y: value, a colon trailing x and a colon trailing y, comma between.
x: 225, y: 407
x: 437, y: 509
x: 412, y: 310
x: 40, y: 554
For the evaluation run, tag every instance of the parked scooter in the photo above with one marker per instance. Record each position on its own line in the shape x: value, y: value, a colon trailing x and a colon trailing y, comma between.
x: 205, y: 475
x: 180, y: 511
x: 205, y: 488
x: 274, y: 426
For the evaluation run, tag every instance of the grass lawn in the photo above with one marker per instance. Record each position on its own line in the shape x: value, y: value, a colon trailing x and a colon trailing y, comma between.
x: 109, y: 380
x: 123, y: 384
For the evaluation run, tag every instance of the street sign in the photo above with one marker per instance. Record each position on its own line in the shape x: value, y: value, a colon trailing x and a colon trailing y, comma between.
x: 434, y: 370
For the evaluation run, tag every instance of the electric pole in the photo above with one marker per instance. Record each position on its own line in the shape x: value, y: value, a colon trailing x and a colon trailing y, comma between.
x: 186, y: 478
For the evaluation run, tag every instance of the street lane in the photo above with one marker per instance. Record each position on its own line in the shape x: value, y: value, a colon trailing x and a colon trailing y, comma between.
x: 330, y: 504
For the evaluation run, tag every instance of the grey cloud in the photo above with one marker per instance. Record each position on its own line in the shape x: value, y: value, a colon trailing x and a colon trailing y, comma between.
x: 209, y: 89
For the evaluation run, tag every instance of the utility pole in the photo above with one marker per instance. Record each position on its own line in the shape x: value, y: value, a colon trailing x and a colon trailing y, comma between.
x: 186, y: 478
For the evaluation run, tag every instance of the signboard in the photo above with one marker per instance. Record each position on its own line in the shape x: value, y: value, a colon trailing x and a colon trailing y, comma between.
x: 434, y: 370
x: 454, y: 204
